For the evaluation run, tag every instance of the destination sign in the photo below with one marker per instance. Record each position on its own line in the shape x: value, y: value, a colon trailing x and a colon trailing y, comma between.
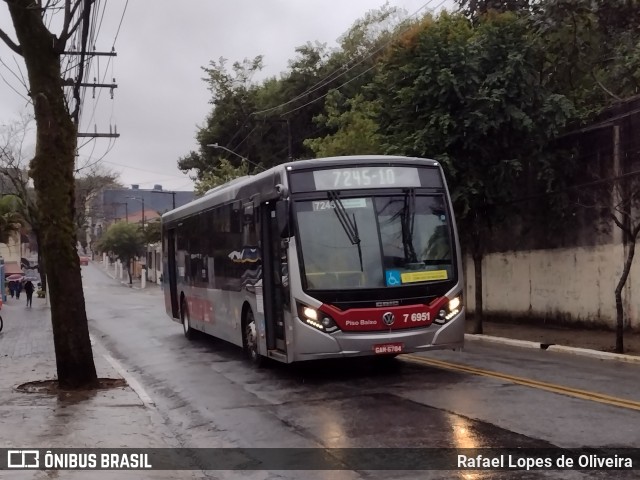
x: 366, y: 177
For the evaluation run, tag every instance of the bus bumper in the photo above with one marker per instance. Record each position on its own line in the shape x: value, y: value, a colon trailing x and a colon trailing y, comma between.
x: 312, y: 344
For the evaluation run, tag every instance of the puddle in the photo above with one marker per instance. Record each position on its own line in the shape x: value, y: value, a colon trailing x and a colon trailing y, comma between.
x: 50, y: 387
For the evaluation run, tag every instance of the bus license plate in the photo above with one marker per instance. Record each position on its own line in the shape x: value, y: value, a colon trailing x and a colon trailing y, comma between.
x: 383, y: 348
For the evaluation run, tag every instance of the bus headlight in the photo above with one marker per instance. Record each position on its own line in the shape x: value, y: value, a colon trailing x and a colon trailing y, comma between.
x: 451, y: 310
x: 316, y: 319
x: 310, y: 313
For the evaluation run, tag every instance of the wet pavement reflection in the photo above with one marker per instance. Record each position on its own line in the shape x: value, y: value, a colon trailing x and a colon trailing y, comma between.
x: 210, y: 396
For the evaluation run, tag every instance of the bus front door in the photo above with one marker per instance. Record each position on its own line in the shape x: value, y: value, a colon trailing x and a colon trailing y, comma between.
x: 171, y: 249
x: 273, y: 254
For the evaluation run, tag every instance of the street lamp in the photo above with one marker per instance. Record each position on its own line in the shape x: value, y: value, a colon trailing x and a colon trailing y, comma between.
x: 166, y: 192
x: 140, y: 199
x: 215, y: 145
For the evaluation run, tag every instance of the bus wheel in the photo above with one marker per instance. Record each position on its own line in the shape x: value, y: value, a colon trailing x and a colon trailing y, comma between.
x: 251, y: 339
x: 186, y: 323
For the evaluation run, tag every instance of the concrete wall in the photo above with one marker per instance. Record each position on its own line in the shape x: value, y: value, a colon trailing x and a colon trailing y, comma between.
x: 557, y: 286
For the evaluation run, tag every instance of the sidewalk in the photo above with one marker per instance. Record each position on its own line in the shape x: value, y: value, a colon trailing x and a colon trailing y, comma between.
x: 578, y: 341
x: 136, y: 283
x: 111, y: 418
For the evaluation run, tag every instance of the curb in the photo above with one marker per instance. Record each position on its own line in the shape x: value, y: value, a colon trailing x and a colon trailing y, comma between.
x: 584, y: 352
x: 100, y: 267
x: 131, y: 381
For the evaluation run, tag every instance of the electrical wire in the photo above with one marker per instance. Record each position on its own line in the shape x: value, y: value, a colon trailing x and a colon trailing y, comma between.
x: 328, y: 79
x: 343, y: 70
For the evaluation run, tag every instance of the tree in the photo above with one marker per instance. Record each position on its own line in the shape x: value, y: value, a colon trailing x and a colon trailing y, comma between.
x: 223, y: 172
x: 10, y: 218
x: 52, y: 170
x: 125, y: 241
x: 356, y: 130
x: 15, y: 179
x: 470, y: 96
x: 476, y: 8
x: 152, y: 232
x: 270, y: 121
x: 591, y: 50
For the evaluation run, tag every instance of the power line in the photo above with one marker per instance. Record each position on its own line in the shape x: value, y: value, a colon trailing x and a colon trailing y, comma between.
x: 337, y: 73
x: 343, y: 69
x: 104, y: 76
x: 141, y: 169
x: 325, y: 94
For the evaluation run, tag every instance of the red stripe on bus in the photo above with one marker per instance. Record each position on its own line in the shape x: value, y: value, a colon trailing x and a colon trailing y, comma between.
x: 200, y: 309
x: 406, y: 316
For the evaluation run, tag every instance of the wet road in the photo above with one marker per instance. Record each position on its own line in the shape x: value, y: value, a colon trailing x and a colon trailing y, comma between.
x: 210, y: 397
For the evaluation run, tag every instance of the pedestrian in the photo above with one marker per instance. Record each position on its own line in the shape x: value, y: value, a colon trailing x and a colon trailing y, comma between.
x: 18, y: 289
x: 12, y: 288
x: 28, y: 289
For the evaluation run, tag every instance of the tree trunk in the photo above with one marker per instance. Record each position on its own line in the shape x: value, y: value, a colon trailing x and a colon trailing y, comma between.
x: 476, y: 244
x: 42, y: 265
x: 478, y: 312
x: 618, y: 294
x: 52, y: 172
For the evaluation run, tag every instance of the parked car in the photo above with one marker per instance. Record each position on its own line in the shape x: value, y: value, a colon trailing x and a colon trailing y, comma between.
x: 84, y: 260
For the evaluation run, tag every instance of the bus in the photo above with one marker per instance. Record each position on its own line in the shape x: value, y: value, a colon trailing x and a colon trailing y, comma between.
x: 317, y: 259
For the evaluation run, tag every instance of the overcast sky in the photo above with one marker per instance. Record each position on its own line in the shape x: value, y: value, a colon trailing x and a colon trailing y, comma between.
x: 161, y: 46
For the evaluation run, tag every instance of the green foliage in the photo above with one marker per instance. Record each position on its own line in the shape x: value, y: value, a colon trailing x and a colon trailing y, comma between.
x: 476, y: 8
x: 152, y: 232
x: 10, y: 219
x: 124, y: 240
x: 269, y: 121
x: 354, y: 122
x: 591, y: 50
x: 222, y: 173
x: 470, y: 96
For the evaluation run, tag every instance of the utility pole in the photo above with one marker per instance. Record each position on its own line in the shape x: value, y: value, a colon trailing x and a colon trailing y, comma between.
x: 77, y: 84
x: 167, y: 193
x: 126, y: 209
x: 140, y: 199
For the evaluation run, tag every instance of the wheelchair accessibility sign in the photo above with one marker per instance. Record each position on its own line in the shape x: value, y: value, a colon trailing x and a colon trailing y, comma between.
x: 392, y: 278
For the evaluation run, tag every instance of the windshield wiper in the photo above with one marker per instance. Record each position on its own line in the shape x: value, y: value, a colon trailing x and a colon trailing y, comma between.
x: 349, y: 226
x: 408, y: 221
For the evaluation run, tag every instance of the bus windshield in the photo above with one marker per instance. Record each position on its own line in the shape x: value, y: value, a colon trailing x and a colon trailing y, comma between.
x: 374, y: 242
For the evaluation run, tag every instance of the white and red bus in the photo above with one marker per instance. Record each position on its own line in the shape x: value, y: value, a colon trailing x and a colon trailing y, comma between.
x: 324, y: 258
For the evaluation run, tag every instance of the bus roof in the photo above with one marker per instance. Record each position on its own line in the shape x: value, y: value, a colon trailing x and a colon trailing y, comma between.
x: 264, y: 183
x: 317, y: 162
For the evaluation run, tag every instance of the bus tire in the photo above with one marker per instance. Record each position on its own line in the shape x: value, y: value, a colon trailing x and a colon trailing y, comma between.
x: 189, y: 332
x: 250, y: 339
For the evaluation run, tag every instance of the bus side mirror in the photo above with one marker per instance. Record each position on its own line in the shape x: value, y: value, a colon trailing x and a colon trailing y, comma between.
x: 282, y: 218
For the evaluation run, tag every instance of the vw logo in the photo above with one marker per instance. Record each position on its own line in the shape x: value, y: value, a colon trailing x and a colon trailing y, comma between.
x: 388, y: 318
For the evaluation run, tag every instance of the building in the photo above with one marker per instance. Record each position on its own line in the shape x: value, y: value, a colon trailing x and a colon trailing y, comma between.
x: 132, y: 205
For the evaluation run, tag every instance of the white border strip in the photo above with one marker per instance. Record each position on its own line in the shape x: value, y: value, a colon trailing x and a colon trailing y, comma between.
x: 595, y: 354
x: 584, y: 352
x: 133, y: 383
x: 502, y: 340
